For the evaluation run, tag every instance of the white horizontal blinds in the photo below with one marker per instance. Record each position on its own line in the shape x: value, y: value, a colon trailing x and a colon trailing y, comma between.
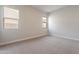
x: 10, y: 24
x: 44, y: 25
x: 11, y: 17
x: 44, y: 22
x: 44, y: 19
x: 10, y: 21
x: 11, y: 13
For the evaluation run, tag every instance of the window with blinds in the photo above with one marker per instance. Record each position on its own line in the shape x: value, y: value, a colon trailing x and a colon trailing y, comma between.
x: 44, y: 22
x: 11, y: 17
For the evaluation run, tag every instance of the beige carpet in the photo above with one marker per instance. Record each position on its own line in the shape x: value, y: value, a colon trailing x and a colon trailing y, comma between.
x: 43, y: 45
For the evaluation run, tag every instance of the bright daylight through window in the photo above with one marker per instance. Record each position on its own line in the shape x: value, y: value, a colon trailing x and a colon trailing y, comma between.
x: 11, y: 17
x: 44, y: 22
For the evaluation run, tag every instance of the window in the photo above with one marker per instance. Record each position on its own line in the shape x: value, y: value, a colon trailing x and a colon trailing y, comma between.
x: 44, y: 22
x: 11, y: 17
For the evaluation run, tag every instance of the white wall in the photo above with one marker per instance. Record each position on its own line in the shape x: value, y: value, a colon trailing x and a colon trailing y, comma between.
x: 65, y: 22
x: 29, y: 25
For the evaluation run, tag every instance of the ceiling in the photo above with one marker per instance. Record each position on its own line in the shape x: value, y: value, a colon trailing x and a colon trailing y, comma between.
x: 48, y: 8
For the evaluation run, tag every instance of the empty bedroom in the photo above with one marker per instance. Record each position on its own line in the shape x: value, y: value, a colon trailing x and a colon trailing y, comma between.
x: 39, y: 29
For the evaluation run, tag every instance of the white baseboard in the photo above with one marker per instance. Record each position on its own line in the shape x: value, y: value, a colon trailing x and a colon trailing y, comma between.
x: 63, y: 36
x: 31, y: 37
